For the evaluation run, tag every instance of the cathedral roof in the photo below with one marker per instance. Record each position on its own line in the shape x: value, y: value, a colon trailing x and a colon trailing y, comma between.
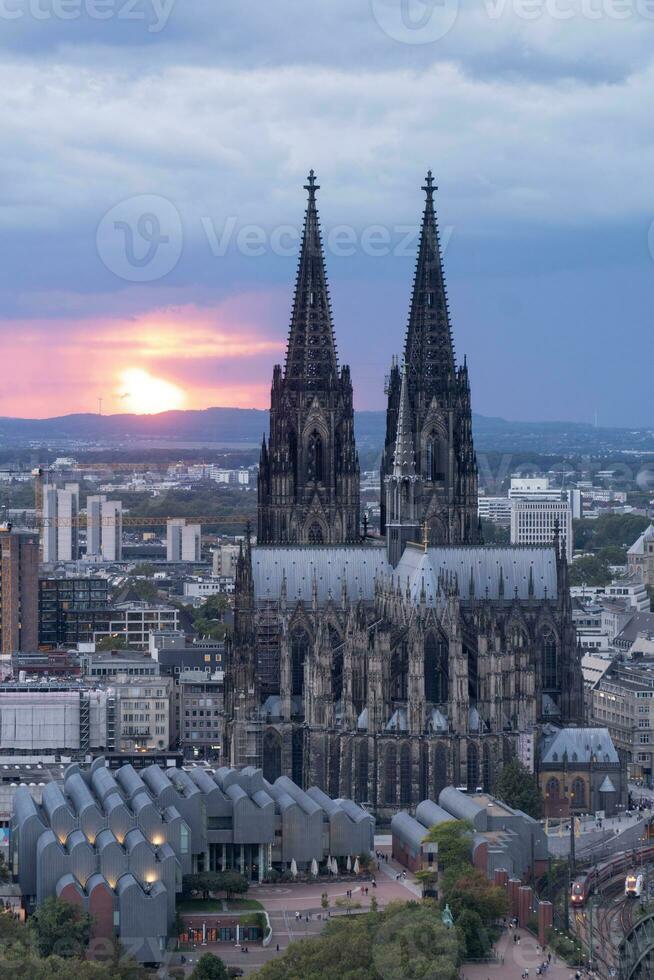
x: 493, y: 572
x: 326, y: 568
x: 311, y: 353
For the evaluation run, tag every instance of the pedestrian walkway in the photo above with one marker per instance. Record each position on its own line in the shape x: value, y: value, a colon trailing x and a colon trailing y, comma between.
x: 514, y: 958
x: 395, y: 871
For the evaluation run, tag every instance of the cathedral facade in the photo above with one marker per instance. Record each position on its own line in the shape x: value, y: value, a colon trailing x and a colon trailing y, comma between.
x: 384, y: 668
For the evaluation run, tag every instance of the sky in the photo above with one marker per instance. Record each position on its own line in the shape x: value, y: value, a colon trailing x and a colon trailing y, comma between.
x: 153, y: 159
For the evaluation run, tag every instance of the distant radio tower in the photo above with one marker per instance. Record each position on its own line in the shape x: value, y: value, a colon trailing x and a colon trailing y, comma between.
x: 99, y: 406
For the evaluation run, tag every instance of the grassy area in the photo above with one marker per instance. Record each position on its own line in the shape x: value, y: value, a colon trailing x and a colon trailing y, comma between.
x: 198, y: 905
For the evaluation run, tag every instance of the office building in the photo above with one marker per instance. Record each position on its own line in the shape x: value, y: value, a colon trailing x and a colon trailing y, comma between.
x: 118, y: 843
x: 112, y: 530
x: 68, y: 607
x: 68, y: 523
x: 495, y: 509
x: 19, y: 570
x: 94, y: 504
x: 535, y: 521
x: 49, y: 529
x: 183, y: 541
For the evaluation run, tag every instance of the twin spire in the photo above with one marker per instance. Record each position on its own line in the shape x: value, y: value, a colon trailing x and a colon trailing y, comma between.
x: 429, y: 351
x: 311, y: 357
x: 311, y: 353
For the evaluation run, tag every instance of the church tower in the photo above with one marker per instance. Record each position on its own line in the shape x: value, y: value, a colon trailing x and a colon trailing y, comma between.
x: 438, y: 404
x: 309, y: 470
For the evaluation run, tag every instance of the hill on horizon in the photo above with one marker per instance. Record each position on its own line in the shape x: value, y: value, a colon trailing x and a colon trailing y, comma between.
x: 227, y: 426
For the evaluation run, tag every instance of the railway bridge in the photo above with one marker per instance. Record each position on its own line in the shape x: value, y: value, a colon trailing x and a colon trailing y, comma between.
x: 636, y: 951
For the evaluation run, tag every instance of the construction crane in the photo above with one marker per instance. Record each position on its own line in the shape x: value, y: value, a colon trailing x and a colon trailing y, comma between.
x: 41, y: 474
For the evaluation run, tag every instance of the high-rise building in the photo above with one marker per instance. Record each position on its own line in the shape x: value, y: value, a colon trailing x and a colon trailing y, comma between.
x: 112, y: 530
x: 174, y: 530
x: 535, y: 521
x: 19, y: 592
x: 67, y: 523
x: 192, y: 542
x: 183, y: 541
x: 94, y: 504
x: 49, y: 529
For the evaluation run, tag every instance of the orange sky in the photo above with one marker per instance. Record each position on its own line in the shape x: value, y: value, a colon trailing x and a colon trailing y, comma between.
x: 177, y: 357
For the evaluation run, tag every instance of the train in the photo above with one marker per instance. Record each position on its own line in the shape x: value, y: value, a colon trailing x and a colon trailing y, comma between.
x: 623, y: 863
x: 633, y: 885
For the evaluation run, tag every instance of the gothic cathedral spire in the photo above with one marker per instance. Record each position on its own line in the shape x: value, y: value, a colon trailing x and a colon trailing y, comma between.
x: 309, y: 471
x: 439, y: 398
x: 311, y: 353
x: 429, y: 351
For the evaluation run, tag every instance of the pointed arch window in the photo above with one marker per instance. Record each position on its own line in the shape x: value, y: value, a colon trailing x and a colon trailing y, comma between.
x: 405, y: 774
x: 315, y: 460
x: 473, y: 768
x: 436, y: 670
x: 299, y: 650
x: 550, y: 662
x: 390, y: 775
x: 433, y: 457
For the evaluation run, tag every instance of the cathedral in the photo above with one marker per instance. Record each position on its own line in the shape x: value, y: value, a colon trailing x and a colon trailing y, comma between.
x: 384, y: 667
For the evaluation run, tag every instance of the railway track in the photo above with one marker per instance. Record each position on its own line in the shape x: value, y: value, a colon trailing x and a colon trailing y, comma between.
x: 612, y: 920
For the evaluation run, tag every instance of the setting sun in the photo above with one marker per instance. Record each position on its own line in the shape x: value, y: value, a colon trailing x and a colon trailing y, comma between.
x: 143, y: 394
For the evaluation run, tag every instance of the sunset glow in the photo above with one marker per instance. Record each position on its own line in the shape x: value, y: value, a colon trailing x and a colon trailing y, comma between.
x: 144, y: 394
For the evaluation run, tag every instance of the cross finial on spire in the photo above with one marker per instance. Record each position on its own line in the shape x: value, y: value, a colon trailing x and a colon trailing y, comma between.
x: 311, y: 186
x: 429, y: 187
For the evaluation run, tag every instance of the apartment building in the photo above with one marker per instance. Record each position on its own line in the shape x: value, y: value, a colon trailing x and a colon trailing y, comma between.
x: 19, y: 569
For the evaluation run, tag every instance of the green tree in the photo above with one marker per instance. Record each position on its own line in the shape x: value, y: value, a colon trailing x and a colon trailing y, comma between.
x: 61, y: 928
x: 454, y: 839
x: 208, y: 883
x: 473, y: 934
x: 471, y: 889
x: 589, y: 570
x: 517, y: 787
x: 117, y: 641
x: 210, y: 967
x: 405, y: 941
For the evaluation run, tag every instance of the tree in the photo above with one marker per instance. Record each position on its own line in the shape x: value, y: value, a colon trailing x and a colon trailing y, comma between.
x: 405, y: 941
x: 471, y: 889
x: 210, y: 882
x: 117, y: 641
x: 589, y: 570
x: 61, y: 928
x: 454, y: 839
x: 473, y: 934
x: 518, y: 788
x: 210, y: 967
